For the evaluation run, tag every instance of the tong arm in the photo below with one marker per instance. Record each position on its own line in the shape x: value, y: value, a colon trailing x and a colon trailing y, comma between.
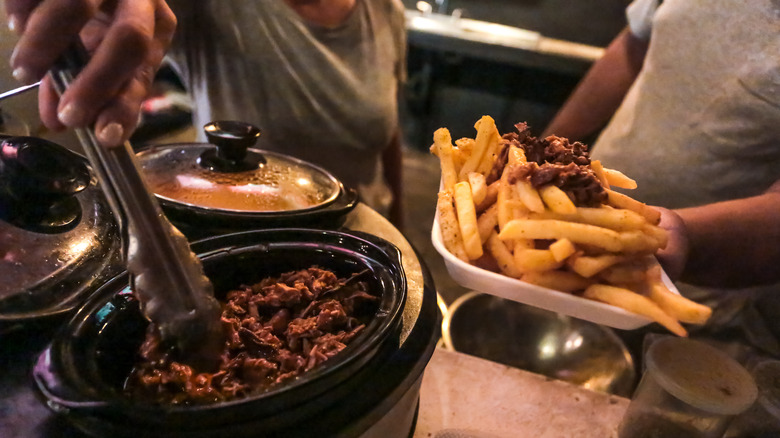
x: 166, y: 276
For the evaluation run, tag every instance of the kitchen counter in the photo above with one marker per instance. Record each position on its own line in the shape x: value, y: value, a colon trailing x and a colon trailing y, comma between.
x: 499, y: 43
x: 467, y: 397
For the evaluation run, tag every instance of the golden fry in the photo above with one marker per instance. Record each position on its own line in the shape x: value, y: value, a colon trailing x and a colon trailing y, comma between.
x: 557, y: 280
x: 534, y: 260
x: 461, y: 152
x: 467, y: 219
x: 487, y: 222
x: 490, y: 197
x: 620, y: 200
x: 478, y: 187
x: 617, y: 219
x: 442, y: 148
x: 678, y: 306
x: 507, y: 210
x: 493, y: 139
x: 557, y: 200
x: 635, y: 303
x: 624, y: 273
x: 529, y: 196
x: 562, y: 249
x: 449, y: 227
x: 516, y: 156
x: 637, y: 242
x: 506, y: 262
x: 588, y: 266
x: 486, y: 126
x: 555, y: 229
x: 660, y: 235
x: 598, y: 169
x: 619, y: 179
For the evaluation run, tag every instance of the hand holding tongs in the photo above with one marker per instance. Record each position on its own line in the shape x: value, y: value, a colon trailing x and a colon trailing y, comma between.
x: 166, y: 276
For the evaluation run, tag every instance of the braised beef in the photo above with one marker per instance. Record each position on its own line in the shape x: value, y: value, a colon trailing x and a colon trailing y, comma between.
x: 555, y: 160
x: 276, y: 330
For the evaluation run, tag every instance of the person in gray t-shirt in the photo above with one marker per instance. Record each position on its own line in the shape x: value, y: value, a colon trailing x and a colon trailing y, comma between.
x: 320, y: 79
x: 690, y: 94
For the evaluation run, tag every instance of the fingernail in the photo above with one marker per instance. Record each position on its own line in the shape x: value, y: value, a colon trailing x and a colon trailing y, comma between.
x: 13, y: 23
x: 22, y: 75
x: 19, y: 73
x: 111, y: 135
x: 71, y: 115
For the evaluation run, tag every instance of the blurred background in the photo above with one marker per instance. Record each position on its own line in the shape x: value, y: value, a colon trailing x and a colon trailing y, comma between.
x: 515, y: 60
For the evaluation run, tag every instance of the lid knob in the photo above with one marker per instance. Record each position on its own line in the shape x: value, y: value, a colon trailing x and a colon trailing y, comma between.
x: 39, y: 179
x: 232, y: 140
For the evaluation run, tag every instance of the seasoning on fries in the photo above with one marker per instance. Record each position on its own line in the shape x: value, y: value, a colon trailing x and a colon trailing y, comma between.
x: 546, y: 214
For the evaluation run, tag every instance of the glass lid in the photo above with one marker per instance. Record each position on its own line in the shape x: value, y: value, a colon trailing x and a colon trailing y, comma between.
x: 227, y: 175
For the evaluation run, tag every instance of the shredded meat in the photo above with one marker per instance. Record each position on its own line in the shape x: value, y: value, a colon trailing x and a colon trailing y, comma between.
x: 554, y: 160
x: 276, y: 330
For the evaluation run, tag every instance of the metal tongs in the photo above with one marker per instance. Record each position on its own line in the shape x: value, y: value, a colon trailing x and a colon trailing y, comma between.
x: 165, y: 275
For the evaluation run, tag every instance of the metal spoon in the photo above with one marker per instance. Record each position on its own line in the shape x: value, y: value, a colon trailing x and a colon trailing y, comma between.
x: 166, y: 276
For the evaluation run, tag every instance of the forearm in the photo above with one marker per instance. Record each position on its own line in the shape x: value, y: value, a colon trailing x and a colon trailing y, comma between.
x: 601, y: 90
x: 392, y: 165
x: 734, y: 243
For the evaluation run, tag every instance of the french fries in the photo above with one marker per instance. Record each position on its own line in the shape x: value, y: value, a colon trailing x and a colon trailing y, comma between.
x: 565, y: 229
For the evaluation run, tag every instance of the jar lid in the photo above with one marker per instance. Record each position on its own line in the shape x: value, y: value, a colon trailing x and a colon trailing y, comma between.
x: 59, y: 237
x: 701, y: 376
x: 767, y: 376
x: 227, y: 175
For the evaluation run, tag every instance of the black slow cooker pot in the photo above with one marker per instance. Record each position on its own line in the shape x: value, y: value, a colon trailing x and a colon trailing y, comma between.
x: 226, y: 185
x: 369, y: 389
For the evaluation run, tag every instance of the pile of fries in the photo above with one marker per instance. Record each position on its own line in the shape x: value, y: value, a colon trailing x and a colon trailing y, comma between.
x: 493, y: 214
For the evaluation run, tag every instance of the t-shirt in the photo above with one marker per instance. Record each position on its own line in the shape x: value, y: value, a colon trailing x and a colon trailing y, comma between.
x: 701, y: 123
x: 327, y: 95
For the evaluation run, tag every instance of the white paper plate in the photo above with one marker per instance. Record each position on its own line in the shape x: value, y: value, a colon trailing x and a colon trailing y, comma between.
x: 492, y: 283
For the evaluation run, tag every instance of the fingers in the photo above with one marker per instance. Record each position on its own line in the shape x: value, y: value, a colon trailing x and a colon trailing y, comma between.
x: 46, y: 31
x: 17, y: 12
x: 127, y: 40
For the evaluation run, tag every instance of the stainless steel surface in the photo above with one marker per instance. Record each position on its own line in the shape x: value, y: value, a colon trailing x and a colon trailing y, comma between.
x: 20, y: 90
x: 167, y: 277
x: 497, y: 42
x: 539, y: 341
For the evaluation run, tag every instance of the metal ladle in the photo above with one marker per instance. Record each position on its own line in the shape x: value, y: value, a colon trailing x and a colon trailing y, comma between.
x: 165, y: 275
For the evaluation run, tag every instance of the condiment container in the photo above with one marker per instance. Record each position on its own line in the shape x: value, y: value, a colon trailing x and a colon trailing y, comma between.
x: 763, y: 418
x: 689, y: 389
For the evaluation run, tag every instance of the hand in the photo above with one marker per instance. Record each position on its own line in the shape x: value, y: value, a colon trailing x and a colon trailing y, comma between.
x: 127, y: 40
x: 674, y: 256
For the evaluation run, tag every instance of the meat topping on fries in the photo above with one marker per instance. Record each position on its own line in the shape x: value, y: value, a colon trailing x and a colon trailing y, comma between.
x: 542, y: 211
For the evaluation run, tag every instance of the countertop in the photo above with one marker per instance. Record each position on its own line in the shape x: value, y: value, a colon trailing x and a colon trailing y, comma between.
x: 463, y: 396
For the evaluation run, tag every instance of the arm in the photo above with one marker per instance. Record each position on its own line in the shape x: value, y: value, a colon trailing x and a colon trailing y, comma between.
x: 127, y: 40
x: 601, y: 90
x: 730, y: 244
x: 392, y: 165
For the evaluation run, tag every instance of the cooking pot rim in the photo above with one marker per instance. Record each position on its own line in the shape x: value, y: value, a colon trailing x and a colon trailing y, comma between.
x: 335, y: 186
x: 70, y: 383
